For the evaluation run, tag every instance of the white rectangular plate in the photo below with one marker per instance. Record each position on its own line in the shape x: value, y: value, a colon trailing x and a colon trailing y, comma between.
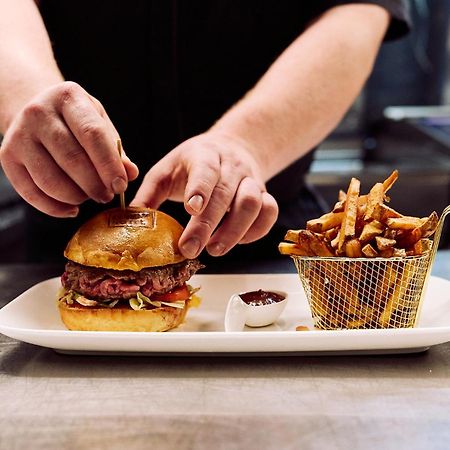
x: 33, y: 317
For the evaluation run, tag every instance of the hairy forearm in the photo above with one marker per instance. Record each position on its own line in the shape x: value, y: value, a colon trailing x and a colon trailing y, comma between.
x: 308, y: 89
x: 27, y: 65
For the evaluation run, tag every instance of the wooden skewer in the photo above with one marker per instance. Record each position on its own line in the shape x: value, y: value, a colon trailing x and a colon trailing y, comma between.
x: 122, y: 194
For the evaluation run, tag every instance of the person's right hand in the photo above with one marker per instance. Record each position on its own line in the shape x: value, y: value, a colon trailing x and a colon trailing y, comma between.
x: 61, y: 150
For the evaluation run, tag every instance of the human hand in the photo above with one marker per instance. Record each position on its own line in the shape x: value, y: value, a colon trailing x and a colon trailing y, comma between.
x: 221, y: 185
x: 61, y: 150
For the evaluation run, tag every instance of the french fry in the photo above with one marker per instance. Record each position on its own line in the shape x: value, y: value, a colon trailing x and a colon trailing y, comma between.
x: 400, y: 253
x: 390, y: 180
x: 383, y: 212
x: 384, y: 243
x: 392, y: 234
x: 325, y: 222
x: 371, y: 230
x: 430, y: 225
x: 286, y: 248
x: 330, y: 234
x: 427, y: 244
x: 355, y: 273
x: 353, y: 248
x: 374, y: 198
x: 419, y: 248
x: 404, y: 223
x: 350, y: 212
x: 395, y: 299
x: 312, y: 244
x: 369, y: 251
x: 362, y: 206
x: 426, y: 229
x: 362, y: 201
x: 335, y: 241
x: 317, y: 244
x: 383, y: 285
x: 339, y: 206
x: 319, y: 305
x: 365, y: 315
x: 387, y: 252
x: 341, y: 290
x: 292, y: 235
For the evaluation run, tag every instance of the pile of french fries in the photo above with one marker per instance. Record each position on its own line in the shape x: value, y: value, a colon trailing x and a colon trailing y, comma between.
x: 362, y: 226
x: 354, y: 262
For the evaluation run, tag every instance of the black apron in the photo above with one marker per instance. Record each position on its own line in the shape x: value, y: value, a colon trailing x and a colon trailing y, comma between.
x: 165, y: 71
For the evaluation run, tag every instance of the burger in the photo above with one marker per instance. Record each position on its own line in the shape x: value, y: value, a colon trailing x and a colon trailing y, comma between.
x: 125, y: 273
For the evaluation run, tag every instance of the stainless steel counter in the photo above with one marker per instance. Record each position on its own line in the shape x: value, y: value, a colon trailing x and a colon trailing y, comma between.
x: 55, y: 401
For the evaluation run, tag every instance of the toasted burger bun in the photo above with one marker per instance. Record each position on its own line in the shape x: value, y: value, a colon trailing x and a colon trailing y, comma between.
x: 130, y: 239
x: 79, y: 318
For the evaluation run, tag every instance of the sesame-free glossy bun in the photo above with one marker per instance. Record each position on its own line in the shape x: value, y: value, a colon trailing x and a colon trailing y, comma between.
x: 79, y: 318
x: 127, y: 239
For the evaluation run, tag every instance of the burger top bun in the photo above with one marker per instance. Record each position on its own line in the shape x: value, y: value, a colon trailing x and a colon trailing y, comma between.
x: 127, y: 239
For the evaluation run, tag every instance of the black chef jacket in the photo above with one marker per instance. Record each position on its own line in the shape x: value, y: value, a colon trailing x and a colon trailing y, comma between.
x: 166, y: 70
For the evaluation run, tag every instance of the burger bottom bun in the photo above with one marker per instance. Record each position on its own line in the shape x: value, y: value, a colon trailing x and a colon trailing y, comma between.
x: 120, y: 319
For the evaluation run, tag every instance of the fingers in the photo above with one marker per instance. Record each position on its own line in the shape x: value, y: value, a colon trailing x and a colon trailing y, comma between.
x: 250, y: 217
x: 266, y: 218
x: 64, y: 150
x: 156, y: 186
x: 242, y: 214
x: 131, y: 168
x: 49, y: 178
x: 201, y: 227
x: 95, y: 135
x: 221, y: 188
x: 64, y: 142
x: 191, y: 180
x: 203, y: 178
x: 28, y: 190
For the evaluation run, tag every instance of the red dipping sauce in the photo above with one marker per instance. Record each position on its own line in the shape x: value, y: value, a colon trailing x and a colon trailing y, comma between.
x: 261, y: 298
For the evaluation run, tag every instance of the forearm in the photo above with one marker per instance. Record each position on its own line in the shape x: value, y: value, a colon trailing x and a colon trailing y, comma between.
x: 308, y: 89
x: 27, y: 65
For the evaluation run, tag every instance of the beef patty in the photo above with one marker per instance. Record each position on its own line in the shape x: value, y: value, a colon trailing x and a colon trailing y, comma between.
x: 98, y: 283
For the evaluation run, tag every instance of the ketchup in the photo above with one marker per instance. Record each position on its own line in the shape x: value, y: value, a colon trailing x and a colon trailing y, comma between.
x: 261, y: 298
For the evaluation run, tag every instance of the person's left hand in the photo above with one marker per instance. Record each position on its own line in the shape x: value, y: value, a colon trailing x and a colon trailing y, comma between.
x: 221, y: 185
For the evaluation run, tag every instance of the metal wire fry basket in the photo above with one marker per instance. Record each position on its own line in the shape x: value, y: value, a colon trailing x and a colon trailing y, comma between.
x: 367, y: 293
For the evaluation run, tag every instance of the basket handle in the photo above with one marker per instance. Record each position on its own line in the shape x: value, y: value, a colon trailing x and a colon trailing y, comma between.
x: 438, y: 232
x: 436, y: 239
x: 434, y: 248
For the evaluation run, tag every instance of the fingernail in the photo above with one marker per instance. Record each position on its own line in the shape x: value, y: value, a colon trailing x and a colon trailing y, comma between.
x: 191, y: 247
x: 216, y: 249
x: 118, y: 185
x: 105, y: 200
x: 72, y: 213
x: 196, y: 202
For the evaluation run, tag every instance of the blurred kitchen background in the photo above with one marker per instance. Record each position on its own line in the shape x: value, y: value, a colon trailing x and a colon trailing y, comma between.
x: 401, y: 120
